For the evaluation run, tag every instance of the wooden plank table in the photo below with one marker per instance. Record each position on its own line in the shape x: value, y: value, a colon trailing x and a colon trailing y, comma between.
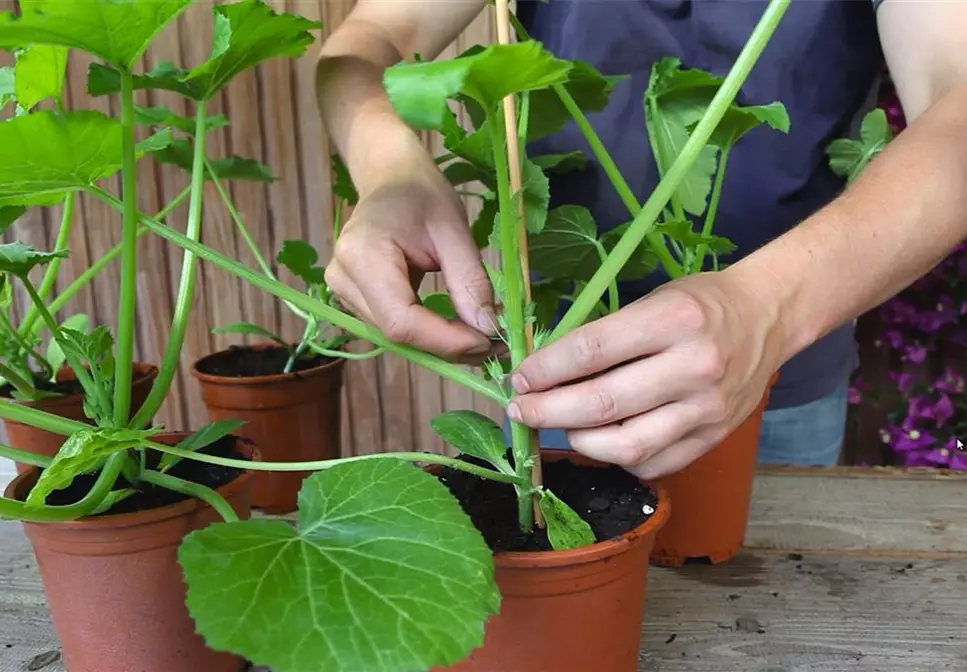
x: 845, y: 570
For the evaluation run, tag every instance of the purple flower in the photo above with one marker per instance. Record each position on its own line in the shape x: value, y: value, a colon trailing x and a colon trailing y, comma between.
x: 950, y: 381
x: 854, y: 396
x: 915, y: 353
x: 939, y: 410
x: 944, y: 457
x: 943, y: 410
x: 944, y: 313
x: 914, y: 439
x: 904, y: 382
x: 916, y: 458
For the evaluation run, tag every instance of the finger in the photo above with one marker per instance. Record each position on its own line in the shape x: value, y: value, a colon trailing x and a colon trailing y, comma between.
x: 632, y: 443
x: 681, y: 454
x: 381, y: 276
x: 636, y: 331
x: 465, y: 277
x: 347, y: 293
x: 621, y: 393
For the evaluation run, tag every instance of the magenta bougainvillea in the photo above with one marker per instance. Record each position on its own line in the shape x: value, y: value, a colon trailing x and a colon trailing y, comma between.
x: 922, y: 332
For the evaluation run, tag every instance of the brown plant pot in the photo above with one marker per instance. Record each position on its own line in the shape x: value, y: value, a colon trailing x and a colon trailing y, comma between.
x: 571, y: 611
x: 712, y: 496
x: 292, y: 417
x: 114, y: 585
x: 42, y: 442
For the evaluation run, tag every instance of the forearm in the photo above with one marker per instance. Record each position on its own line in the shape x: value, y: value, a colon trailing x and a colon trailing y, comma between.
x: 905, y: 212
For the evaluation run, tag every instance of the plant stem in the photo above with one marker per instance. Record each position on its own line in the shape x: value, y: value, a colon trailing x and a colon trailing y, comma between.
x: 21, y: 341
x: 320, y: 309
x: 337, y: 220
x: 79, y: 370
x: 196, y: 490
x: 343, y: 354
x: 124, y: 350
x: 50, y: 274
x: 186, y: 284
x: 713, y: 208
x: 644, y: 221
x: 22, y: 386
x: 96, y: 267
x: 24, y: 457
x: 613, y: 297
x: 307, y: 334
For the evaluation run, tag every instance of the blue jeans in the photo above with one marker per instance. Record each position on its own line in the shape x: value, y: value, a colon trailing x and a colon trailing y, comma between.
x: 807, y: 435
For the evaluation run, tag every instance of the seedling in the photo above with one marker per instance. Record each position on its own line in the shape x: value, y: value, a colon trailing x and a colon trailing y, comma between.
x: 383, y: 570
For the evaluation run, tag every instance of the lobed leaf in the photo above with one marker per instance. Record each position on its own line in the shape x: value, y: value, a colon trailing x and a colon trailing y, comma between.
x: 382, y: 571
x: 561, y: 163
x: 589, y: 89
x: 18, y: 259
x: 180, y: 153
x: 567, y: 247
x: 441, y: 304
x: 300, y: 258
x: 203, y: 438
x: 740, y: 120
x: 40, y: 73
x: 156, y: 143
x: 420, y: 91
x: 82, y: 452
x: 642, y: 262
x: 118, y: 31
x: 55, y: 353
x: 849, y: 157
x: 483, y: 225
x: 163, y: 116
x: 10, y: 214
x: 474, y: 434
x: 537, y: 196
x: 343, y: 185
x: 565, y: 528
x: 166, y: 76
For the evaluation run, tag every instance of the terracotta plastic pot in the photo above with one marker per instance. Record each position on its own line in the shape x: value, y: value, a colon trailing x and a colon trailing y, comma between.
x: 115, y: 587
x: 42, y: 442
x: 712, y: 496
x: 292, y: 417
x: 571, y: 611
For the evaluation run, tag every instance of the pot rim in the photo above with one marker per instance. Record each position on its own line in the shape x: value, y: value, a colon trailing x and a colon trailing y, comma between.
x: 246, y: 446
x: 142, y: 371
x: 274, y: 378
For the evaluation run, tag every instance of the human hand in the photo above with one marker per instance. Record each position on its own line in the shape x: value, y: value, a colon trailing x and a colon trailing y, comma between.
x: 660, y: 382
x: 411, y: 224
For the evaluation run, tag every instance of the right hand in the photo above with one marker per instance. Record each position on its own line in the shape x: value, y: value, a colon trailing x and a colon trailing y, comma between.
x: 405, y: 227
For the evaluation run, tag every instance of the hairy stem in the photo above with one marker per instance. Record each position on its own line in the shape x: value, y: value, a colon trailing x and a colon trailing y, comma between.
x: 50, y: 274
x: 713, y: 208
x: 196, y: 490
x: 186, y: 285
x: 644, y: 221
x: 124, y: 350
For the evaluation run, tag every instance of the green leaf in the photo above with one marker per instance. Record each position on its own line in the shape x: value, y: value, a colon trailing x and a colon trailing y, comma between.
x: 547, y: 295
x: 462, y: 172
x: 82, y: 452
x: 249, y: 329
x: 642, y: 262
x: 118, y: 31
x: 10, y: 214
x: 300, y: 258
x: 95, y: 351
x: 8, y: 87
x: 343, y: 185
x: 382, y: 571
x: 156, y: 143
x: 537, y: 196
x: 55, y: 354
x: 565, y: 528
x: 567, y: 248
x: 849, y: 157
x: 474, y: 434
x: 17, y: 258
x: 40, y: 74
x: 561, y: 163
x: 478, y: 149
x: 441, y: 304
x: 420, y: 91
x: 246, y: 34
x: 483, y: 225
x: 588, y: 87
x: 47, y: 155
x: 180, y: 153
x: 166, y: 76
x: 203, y: 438
x: 740, y: 120
x: 163, y: 116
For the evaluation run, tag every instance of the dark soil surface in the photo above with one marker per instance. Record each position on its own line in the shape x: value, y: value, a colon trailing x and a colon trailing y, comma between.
x: 65, y: 388
x: 248, y: 362
x: 608, y: 498
x: 152, y: 496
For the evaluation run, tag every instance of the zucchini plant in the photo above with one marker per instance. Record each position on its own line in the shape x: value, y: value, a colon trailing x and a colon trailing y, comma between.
x: 382, y: 569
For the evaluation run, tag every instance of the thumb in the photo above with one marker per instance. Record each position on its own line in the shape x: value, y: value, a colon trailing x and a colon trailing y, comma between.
x: 466, y: 278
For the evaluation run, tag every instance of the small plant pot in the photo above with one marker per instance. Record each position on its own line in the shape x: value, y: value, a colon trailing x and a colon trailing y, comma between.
x: 712, y: 496
x: 42, y: 442
x: 115, y: 587
x: 571, y: 611
x: 291, y: 417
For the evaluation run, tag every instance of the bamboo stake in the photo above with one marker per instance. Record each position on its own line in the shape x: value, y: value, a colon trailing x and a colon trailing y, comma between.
x: 513, y: 151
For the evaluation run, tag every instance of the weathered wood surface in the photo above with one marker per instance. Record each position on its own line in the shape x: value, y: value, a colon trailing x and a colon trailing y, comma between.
x: 898, y: 604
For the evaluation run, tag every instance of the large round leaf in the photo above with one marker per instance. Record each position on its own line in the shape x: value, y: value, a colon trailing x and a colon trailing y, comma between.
x: 383, y: 572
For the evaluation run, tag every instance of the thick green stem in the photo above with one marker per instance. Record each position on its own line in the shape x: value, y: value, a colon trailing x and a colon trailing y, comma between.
x: 196, y: 490
x: 24, y: 457
x: 308, y: 333
x: 644, y: 222
x: 96, y: 267
x: 320, y: 309
x: 343, y: 354
x: 713, y: 209
x: 50, y: 275
x: 124, y: 350
x: 22, y: 386
x: 186, y: 285
x: 613, y: 298
x: 514, y: 293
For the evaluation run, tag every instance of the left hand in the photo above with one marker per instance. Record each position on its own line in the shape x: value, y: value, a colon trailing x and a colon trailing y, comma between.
x: 660, y: 382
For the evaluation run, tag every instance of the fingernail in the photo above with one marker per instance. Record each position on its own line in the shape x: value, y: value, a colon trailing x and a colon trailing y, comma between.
x: 520, y: 384
x: 481, y: 349
x: 513, y: 412
x: 487, y: 320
